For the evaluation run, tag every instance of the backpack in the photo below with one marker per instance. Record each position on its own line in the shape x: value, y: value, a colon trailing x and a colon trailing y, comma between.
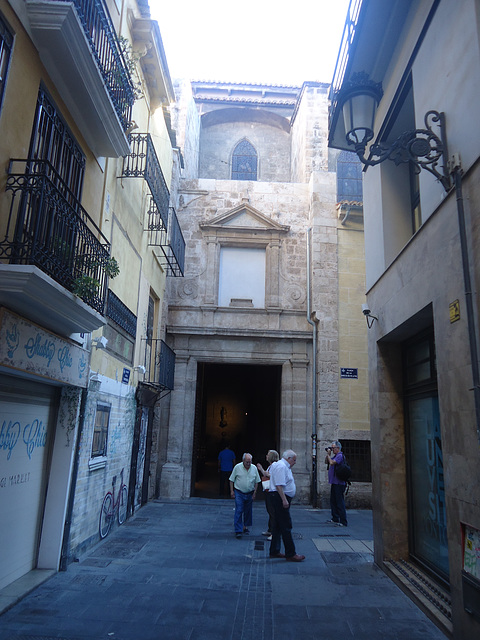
x: 343, y: 471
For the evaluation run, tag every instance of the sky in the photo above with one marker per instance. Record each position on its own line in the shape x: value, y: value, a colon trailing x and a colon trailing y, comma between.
x: 251, y: 41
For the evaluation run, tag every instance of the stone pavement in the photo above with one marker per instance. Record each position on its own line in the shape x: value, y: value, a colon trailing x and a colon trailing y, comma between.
x: 175, y: 571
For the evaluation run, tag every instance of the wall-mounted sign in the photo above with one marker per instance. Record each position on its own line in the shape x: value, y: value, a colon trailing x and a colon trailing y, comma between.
x: 126, y: 375
x: 27, y: 347
x: 454, y: 308
x: 348, y: 373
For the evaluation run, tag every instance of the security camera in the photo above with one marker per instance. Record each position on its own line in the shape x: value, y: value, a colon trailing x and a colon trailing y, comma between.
x: 366, y: 309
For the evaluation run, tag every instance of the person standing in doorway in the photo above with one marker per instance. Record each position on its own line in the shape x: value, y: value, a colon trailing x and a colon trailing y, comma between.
x: 337, y: 487
x: 243, y: 487
x: 282, y: 488
x: 226, y: 462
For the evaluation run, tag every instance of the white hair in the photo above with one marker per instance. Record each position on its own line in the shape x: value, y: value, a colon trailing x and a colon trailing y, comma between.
x: 289, y: 453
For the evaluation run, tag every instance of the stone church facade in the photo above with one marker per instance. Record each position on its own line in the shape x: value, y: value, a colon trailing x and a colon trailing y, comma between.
x: 255, y: 323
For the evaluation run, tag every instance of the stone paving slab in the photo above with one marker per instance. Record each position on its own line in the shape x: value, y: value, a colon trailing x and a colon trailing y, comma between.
x: 176, y: 571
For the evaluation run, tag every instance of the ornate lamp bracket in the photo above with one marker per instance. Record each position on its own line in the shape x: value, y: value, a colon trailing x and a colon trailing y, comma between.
x: 422, y: 147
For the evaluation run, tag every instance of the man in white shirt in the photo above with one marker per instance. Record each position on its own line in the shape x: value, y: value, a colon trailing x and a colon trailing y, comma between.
x: 282, y: 488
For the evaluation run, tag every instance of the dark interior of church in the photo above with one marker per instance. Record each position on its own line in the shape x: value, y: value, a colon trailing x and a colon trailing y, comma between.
x: 238, y: 406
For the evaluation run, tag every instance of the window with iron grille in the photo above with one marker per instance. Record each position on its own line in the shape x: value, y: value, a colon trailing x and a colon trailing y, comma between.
x: 100, y: 430
x: 358, y: 455
x: 6, y: 43
x: 244, y: 161
x: 53, y: 141
x: 121, y: 314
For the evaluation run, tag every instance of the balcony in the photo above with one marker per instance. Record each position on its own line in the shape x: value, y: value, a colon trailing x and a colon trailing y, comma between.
x: 165, y: 233
x: 162, y: 226
x: 79, y: 48
x: 159, y: 363
x: 53, y: 258
x: 121, y: 314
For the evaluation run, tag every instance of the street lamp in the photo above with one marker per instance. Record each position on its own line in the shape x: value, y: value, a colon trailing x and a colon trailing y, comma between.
x: 359, y: 100
x: 424, y: 149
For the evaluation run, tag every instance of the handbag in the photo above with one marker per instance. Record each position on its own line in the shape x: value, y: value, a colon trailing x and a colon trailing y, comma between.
x: 266, y: 483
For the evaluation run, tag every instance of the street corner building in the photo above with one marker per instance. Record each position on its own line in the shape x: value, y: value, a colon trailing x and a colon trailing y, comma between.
x: 88, y: 237
x: 404, y: 98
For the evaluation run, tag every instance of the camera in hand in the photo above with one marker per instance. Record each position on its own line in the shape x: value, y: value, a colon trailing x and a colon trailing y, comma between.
x: 327, y: 449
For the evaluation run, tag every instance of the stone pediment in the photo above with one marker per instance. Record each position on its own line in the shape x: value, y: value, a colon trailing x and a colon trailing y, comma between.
x: 243, y: 217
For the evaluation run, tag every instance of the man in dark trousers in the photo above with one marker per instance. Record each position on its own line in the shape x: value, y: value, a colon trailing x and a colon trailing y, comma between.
x: 282, y: 489
x: 337, y: 487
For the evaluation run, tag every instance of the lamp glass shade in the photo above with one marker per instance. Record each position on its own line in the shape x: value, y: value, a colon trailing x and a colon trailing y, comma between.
x: 358, y: 114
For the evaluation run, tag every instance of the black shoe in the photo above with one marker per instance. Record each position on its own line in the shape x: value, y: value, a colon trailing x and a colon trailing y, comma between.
x: 246, y: 531
x: 238, y: 536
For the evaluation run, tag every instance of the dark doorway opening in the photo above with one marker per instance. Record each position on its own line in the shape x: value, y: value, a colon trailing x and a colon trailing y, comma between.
x: 238, y: 405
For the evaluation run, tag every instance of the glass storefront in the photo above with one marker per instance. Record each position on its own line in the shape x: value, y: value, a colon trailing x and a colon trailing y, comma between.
x: 426, y: 481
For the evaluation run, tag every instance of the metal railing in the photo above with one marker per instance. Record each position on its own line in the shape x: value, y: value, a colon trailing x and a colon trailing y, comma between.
x: 344, y: 52
x: 143, y: 162
x: 162, y: 223
x: 121, y: 314
x: 159, y: 363
x: 47, y: 227
x: 105, y: 47
x: 167, y: 235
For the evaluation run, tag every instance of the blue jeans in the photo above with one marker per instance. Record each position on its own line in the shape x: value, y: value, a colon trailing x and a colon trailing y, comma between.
x: 243, y: 510
x: 337, y: 503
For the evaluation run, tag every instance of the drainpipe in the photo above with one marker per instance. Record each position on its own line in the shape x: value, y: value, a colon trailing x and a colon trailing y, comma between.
x: 313, y: 323
x: 457, y: 176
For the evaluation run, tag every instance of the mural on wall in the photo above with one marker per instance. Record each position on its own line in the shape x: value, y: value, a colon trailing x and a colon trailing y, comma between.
x: 26, y: 347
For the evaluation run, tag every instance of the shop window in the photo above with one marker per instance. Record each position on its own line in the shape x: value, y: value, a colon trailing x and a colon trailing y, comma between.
x: 358, y: 454
x: 424, y: 456
x: 244, y: 161
x: 6, y: 43
x: 100, y: 431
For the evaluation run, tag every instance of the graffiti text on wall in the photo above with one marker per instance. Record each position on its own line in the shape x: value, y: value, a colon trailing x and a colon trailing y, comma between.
x: 16, y: 478
x: 34, y: 436
x: 27, y: 347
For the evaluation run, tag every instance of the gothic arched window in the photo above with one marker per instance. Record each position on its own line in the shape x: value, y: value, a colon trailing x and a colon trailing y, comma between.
x: 244, y: 161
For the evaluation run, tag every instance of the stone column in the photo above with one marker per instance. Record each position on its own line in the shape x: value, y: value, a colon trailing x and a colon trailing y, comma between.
x: 175, y: 479
x: 211, y: 276
x: 296, y: 419
x: 272, y: 294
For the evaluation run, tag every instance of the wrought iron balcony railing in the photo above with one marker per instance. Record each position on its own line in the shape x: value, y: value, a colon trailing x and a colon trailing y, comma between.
x: 167, y: 235
x: 345, y: 51
x: 159, y: 364
x: 47, y: 227
x: 101, y: 35
x: 143, y: 162
x: 121, y: 314
x: 162, y: 226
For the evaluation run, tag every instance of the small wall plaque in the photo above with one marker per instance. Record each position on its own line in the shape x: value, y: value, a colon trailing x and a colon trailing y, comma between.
x: 454, y: 311
x: 348, y: 373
